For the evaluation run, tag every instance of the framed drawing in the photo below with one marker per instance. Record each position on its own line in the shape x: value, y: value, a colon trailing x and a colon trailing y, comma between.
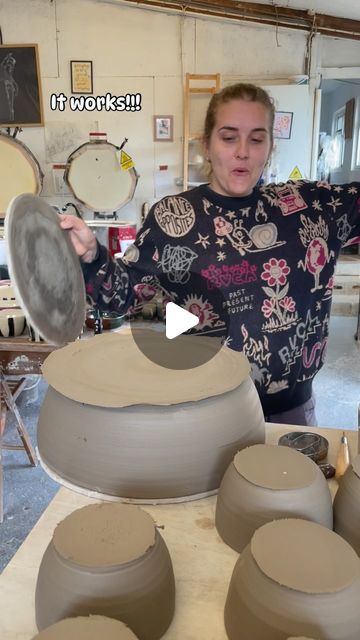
x: 20, y: 88
x: 81, y: 76
x: 163, y: 129
x: 283, y: 124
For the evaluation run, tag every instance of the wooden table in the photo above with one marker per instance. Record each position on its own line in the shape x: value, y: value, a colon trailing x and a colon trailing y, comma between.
x: 202, y: 562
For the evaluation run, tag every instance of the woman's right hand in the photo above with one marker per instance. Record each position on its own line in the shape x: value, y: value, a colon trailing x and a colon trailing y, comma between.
x: 81, y: 236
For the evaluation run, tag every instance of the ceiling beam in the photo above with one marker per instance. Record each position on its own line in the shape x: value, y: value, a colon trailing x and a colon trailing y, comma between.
x: 264, y: 14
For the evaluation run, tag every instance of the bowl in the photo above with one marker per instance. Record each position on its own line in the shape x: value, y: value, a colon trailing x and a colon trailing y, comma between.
x: 265, y: 482
x: 310, y: 444
x: 109, y: 319
x: 107, y: 559
x: 89, y: 627
x: 12, y: 322
x: 295, y: 578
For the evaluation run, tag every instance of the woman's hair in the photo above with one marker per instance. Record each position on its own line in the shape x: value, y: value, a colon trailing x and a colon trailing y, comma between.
x: 239, y: 91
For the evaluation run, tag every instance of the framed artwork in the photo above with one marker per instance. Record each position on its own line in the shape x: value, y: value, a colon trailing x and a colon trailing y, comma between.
x: 283, y: 124
x: 163, y: 129
x: 20, y: 88
x: 81, y: 72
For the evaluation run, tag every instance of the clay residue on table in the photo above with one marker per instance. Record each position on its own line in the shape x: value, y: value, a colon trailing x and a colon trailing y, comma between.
x: 87, y: 628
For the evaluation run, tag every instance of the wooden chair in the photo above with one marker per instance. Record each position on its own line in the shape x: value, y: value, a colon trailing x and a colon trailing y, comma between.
x: 9, y: 392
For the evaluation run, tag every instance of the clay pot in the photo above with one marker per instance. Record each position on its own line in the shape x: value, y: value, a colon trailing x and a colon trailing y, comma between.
x: 294, y: 578
x: 158, y: 445
x: 12, y: 322
x: 266, y: 482
x: 347, y: 505
x: 7, y: 295
x: 87, y: 628
x: 108, y: 560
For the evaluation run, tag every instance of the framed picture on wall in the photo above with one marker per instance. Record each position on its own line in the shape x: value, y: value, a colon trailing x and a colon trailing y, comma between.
x: 81, y: 72
x: 282, y: 124
x: 163, y: 129
x: 20, y: 88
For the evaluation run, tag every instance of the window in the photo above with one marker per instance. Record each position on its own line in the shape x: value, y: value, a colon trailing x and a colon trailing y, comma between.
x: 339, y: 137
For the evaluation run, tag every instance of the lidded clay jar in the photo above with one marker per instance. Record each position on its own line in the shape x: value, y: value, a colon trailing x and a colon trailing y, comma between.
x: 87, y: 628
x: 294, y: 578
x: 109, y: 560
x: 347, y: 505
x: 266, y: 482
x: 115, y: 423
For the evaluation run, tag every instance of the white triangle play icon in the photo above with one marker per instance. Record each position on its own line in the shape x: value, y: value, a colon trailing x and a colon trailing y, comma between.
x: 178, y: 320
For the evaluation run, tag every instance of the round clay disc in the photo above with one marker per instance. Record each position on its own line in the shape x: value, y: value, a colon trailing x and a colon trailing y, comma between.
x: 110, y: 371
x: 273, y: 467
x: 104, y: 535
x: 87, y: 628
x: 305, y: 556
x: 44, y: 270
x: 356, y: 465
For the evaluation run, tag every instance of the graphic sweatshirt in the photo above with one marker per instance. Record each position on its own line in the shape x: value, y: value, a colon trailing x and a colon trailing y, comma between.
x: 256, y: 270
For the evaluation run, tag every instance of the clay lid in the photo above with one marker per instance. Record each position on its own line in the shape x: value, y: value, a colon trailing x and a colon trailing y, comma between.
x: 104, y: 535
x: 44, y: 270
x: 87, y: 628
x: 356, y: 465
x: 274, y: 467
x: 109, y: 370
x: 305, y: 556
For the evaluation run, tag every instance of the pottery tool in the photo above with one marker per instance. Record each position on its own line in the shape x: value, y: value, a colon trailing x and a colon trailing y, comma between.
x: 343, y: 457
x: 359, y: 427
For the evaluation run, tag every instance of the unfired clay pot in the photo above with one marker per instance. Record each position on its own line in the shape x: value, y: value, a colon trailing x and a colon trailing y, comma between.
x: 347, y: 505
x: 294, y: 577
x: 110, y: 560
x: 115, y: 423
x: 266, y: 482
x: 87, y: 628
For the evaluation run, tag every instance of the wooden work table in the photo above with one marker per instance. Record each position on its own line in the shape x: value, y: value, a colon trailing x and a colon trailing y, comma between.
x: 202, y: 562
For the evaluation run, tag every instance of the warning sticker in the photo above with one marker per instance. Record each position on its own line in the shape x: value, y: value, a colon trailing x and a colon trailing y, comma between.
x: 295, y: 174
x: 126, y: 162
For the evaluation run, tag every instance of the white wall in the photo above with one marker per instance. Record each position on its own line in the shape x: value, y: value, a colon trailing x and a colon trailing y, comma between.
x: 136, y: 50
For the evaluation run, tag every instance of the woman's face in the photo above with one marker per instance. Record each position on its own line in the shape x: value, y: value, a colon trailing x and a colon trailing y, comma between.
x: 239, y: 146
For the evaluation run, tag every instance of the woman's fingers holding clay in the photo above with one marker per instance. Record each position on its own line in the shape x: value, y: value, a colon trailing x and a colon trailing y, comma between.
x: 82, y: 238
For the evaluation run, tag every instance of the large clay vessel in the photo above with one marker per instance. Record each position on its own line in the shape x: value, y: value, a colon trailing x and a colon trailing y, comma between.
x: 266, y: 482
x: 347, y: 505
x: 87, y: 628
x: 295, y: 578
x: 117, y: 424
x: 110, y: 560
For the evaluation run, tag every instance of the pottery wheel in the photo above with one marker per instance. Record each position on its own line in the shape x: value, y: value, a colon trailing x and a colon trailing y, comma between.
x: 44, y: 270
x: 111, y: 371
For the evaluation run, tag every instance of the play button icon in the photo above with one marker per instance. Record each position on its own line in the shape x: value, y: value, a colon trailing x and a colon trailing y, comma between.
x: 194, y: 329
x: 178, y: 320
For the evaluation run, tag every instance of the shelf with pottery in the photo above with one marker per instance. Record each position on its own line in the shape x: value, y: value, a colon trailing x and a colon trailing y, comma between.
x: 203, y: 564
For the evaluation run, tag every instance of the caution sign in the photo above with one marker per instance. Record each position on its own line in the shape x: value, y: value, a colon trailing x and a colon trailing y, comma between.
x: 295, y: 174
x: 126, y: 162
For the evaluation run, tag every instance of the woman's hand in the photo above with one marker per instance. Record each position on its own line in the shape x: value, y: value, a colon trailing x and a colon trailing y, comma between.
x: 81, y: 236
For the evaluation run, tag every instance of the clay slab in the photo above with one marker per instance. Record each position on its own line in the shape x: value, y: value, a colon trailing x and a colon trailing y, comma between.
x: 110, y: 371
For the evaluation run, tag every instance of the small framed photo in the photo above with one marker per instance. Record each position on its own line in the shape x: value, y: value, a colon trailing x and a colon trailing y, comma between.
x: 81, y: 72
x: 163, y: 129
x: 283, y: 124
x: 20, y: 88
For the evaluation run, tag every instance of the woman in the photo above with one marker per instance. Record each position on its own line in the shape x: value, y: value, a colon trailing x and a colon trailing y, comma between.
x: 270, y: 252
